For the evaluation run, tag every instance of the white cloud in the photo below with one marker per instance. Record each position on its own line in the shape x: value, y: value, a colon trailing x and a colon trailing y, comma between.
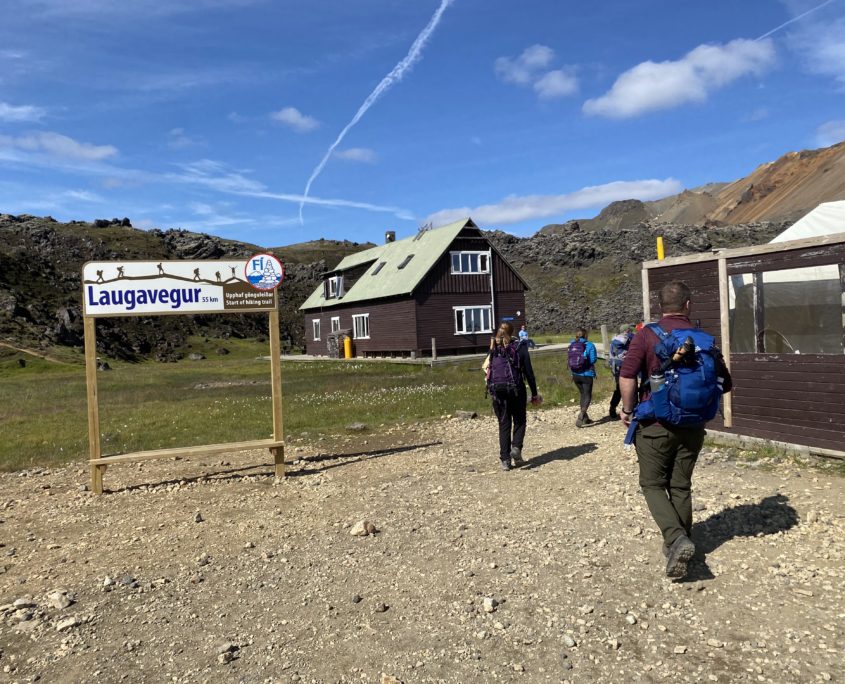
x: 830, y: 133
x: 524, y: 69
x: 821, y: 43
x: 514, y: 209
x: 177, y: 139
x: 651, y: 86
x: 58, y: 145
x: 293, y: 118
x: 13, y: 114
x: 531, y: 68
x: 557, y: 83
x: 83, y: 196
x: 357, y: 154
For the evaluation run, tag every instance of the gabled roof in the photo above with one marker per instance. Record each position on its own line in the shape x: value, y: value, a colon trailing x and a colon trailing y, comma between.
x: 424, y: 248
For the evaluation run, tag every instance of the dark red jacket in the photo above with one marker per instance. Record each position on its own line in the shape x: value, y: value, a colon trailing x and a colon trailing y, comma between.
x: 641, y: 356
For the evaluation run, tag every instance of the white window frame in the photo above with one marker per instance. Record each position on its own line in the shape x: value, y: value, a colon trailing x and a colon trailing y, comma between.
x: 335, y: 287
x: 335, y: 323
x: 315, y: 329
x: 357, y: 320
x: 465, y: 264
x: 464, y: 309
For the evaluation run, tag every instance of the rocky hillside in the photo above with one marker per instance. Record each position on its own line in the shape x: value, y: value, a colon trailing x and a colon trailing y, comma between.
x: 589, y: 276
x: 41, y: 260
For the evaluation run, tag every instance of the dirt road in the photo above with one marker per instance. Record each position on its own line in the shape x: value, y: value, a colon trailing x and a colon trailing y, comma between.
x: 218, y: 573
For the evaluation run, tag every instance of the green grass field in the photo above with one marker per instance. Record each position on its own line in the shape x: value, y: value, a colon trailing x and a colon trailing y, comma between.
x: 43, y: 416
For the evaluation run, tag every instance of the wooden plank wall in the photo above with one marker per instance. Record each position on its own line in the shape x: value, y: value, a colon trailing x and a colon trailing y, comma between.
x: 794, y: 398
x: 392, y: 326
x: 703, y: 279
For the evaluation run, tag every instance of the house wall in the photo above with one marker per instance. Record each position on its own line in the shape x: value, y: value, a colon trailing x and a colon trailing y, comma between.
x: 440, y: 291
x: 392, y: 327
x: 794, y: 398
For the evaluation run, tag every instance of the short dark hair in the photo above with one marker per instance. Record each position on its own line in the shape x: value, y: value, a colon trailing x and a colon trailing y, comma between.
x: 581, y: 332
x: 673, y: 296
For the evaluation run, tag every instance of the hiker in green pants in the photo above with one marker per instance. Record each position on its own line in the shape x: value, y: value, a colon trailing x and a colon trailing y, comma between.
x: 667, y: 451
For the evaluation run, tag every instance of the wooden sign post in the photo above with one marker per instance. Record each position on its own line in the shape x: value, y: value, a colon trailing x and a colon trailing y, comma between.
x: 145, y: 288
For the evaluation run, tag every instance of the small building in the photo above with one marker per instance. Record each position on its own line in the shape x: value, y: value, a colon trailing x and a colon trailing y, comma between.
x: 778, y: 313
x: 448, y: 285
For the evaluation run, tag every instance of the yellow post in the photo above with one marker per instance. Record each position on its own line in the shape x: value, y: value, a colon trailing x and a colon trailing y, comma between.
x: 661, y: 255
x: 347, y: 347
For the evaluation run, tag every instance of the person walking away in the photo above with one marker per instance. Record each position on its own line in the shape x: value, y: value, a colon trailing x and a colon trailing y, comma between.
x: 687, y: 379
x: 618, y: 349
x: 581, y: 357
x: 509, y: 368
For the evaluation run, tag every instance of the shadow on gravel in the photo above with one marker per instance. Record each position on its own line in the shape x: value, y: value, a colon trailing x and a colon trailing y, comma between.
x: 358, y: 455
x: 564, y: 454
x: 771, y: 515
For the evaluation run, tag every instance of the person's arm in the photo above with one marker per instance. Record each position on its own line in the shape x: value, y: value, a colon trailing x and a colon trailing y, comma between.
x: 527, y: 368
x: 628, y: 390
x: 592, y: 354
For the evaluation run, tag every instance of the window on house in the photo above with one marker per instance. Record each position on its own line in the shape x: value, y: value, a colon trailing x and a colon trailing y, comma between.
x: 405, y: 261
x: 379, y: 267
x: 792, y: 311
x: 472, y: 319
x: 361, y: 326
x: 335, y: 323
x: 335, y: 286
x: 315, y: 324
x: 470, y: 262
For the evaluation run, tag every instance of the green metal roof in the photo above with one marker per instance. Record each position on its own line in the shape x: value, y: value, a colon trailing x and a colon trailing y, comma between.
x: 425, y: 248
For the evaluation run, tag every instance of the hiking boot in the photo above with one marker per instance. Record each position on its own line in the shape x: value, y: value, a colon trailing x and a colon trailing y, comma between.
x: 587, y: 420
x: 579, y: 421
x: 680, y: 553
x: 505, y: 465
x: 665, y: 549
x: 516, y: 455
x: 613, y: 415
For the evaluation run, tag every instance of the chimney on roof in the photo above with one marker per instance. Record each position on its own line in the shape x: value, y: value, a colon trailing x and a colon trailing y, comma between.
x: 389, y: 236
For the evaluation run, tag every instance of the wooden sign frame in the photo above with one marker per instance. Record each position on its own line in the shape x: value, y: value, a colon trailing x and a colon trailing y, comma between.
x: 98, y: 463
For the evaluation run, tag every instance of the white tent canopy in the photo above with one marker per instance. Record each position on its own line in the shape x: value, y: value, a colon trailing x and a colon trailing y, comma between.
x: 825, y: 219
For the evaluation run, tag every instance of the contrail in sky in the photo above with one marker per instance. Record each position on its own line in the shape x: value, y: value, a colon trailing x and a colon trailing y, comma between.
x: 794, y: 19
x: 396, y: 75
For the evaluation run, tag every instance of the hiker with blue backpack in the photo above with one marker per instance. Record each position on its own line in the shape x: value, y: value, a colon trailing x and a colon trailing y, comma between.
x: 581, y: 357
x: 509, y: 368
x: 618, y: 348
x: 687, y: 377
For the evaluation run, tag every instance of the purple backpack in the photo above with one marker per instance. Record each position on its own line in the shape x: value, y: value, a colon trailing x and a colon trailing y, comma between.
x: 577, y: 361
x: 504, y: 376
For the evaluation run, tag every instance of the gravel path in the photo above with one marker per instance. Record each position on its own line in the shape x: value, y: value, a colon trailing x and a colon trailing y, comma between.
x: 218, y: 573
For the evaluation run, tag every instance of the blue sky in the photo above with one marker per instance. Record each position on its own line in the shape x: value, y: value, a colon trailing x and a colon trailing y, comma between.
x: 212, y: 115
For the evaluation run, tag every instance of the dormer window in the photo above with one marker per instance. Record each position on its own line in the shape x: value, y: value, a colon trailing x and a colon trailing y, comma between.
x: 470, y: 262
x: 334, y: 287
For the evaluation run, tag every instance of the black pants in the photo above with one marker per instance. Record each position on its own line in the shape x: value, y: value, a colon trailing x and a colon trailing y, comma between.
x: 584, y: 383
x: 510, y: 409
x: 617, y: 396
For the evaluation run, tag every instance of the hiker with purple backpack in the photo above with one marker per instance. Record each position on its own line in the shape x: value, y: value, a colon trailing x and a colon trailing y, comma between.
x: 509, y: 368
x: 582, y: 364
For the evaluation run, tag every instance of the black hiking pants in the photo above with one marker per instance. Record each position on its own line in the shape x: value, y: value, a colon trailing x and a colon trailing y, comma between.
x: 616, y: 398
x: 510, y: 409
x: 584, y: 383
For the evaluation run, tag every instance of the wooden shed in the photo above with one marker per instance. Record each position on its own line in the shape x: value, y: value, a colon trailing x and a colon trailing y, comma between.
x: 449, y: 284
x: 778, y: 311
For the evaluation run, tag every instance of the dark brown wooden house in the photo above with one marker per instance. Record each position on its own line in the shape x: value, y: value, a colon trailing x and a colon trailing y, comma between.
x: 778, y: 311
x: 448, y: 284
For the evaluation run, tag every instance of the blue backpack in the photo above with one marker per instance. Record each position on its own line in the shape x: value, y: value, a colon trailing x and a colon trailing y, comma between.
x: 693, y: 387
x: 618, y: 348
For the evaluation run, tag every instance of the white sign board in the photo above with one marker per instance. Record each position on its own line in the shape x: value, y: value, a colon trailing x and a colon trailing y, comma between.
x: 144, y: 288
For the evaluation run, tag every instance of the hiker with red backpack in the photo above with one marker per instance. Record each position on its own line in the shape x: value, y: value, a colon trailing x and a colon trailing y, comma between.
x: 581, y: 357
x: 509, y: 367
